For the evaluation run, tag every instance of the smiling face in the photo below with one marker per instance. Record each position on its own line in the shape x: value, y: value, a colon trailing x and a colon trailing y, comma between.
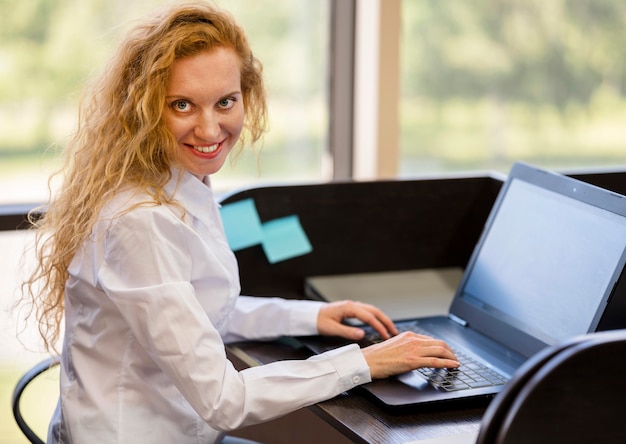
x: 204, y: 108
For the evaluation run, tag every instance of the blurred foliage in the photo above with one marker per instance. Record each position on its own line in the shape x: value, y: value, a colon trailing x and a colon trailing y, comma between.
x: 50, y: 47
x: 487, y: 82
x: 483, y: 81
x: 557, y: 52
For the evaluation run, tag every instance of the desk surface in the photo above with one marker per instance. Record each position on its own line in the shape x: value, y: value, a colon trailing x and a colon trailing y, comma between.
x: 413, y: 292
x: 361, y: 420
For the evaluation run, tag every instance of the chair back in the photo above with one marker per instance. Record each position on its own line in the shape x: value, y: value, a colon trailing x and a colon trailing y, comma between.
x: 18, y: 391
x: 573, y: 392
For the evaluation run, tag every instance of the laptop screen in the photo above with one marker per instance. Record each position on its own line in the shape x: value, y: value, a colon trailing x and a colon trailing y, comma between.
x: 546, y: 263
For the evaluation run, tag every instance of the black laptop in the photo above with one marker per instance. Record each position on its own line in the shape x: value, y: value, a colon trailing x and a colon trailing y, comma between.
x: 544, y: 269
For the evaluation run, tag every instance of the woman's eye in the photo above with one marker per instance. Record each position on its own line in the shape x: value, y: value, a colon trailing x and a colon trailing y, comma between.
x: 226, y: 103
x: 181, y: 105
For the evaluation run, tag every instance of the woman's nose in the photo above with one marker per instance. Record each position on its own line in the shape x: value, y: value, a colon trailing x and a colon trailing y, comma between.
x: 207, y: 127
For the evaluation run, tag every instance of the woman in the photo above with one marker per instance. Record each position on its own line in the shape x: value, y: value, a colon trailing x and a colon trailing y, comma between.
x: 133, y: 256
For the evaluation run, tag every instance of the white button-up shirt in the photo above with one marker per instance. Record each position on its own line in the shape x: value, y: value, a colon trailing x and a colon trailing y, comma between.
x: 151, y: 299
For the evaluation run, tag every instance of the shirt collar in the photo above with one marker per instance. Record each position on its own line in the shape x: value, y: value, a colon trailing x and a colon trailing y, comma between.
x: 195, y: 195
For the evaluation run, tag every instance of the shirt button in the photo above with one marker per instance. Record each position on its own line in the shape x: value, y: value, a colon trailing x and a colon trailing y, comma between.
x: 356, y: 379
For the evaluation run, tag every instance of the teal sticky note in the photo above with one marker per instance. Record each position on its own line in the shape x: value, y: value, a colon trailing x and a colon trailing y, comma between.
x: 284, y: 238
x: 241, y: 224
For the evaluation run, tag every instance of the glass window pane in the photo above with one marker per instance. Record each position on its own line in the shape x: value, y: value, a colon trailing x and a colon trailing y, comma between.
x: 485, y: 83
x: 51, y: 46
x: 291, y: 39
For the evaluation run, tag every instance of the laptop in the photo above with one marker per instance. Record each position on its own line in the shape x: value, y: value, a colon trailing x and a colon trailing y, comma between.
x: 543, y: 270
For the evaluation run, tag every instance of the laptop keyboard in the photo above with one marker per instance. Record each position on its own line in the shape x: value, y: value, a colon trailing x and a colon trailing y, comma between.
x: 470, y: 374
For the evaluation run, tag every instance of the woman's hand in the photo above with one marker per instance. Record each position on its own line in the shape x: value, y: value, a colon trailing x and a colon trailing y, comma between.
x: 397, y: 353
x: 407, y: 351
x: 329, y: 320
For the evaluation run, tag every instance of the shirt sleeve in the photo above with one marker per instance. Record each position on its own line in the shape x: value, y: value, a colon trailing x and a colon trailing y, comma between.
x: 261, y: 318
x: 145, y: 274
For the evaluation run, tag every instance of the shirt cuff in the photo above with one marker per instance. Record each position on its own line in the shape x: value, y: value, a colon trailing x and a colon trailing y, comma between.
x: 350, y: 365
x: 303, y: 317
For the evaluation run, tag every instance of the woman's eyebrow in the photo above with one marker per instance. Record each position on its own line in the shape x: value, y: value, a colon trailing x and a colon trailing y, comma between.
x: 183, y: 96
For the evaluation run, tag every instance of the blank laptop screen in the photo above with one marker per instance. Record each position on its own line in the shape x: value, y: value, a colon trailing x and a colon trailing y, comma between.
x: 546, y: 262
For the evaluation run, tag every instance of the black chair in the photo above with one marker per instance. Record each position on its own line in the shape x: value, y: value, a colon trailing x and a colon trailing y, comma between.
x: 23, y: 382
x: 572, y: 393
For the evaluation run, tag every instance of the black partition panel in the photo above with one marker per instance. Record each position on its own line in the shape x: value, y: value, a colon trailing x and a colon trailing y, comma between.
x: 611, y: 180
x: 15, y: 216
x: 358, y: 227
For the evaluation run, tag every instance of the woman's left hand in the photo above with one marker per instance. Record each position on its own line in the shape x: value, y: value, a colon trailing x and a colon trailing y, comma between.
x: 329, y: 320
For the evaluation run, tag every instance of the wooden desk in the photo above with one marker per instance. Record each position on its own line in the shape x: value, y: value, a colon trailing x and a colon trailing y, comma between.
x: 352, y: 415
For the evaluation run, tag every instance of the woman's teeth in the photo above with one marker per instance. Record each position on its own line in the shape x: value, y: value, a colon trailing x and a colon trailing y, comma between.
x: 206, y: 149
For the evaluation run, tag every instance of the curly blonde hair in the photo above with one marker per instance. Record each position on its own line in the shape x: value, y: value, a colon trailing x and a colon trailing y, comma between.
x: 122, y: 140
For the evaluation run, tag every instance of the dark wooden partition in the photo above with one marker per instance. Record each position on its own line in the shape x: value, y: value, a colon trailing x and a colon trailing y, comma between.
x: 15, y: 217
x: 360, y: 227
x: 611, y: 180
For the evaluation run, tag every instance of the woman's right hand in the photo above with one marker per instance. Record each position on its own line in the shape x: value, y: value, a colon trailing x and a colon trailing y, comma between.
x: 407, y: 351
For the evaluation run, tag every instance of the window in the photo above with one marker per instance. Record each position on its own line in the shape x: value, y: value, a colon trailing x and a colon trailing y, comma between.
x: 51, y: 46
x: 291, y: 39
x: 485, y: 83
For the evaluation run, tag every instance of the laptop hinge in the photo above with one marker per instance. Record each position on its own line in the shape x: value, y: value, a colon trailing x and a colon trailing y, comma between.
x: 458, y: 320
